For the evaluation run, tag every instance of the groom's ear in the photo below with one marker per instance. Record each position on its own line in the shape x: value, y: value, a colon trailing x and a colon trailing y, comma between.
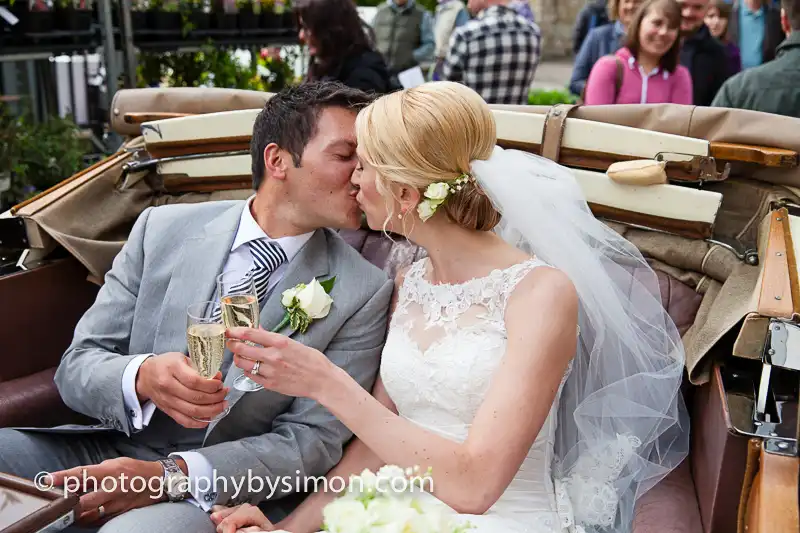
x: 275, y: 161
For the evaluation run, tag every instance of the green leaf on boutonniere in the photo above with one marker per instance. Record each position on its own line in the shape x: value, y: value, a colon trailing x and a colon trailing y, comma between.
x: 328, y: 284
x: 298, y: 320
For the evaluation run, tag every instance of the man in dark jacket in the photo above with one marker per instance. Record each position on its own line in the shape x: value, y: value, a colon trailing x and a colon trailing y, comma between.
x: 755, y: 27
x: 704, y: 56
x: 592, y: 15
x: 775, y: 86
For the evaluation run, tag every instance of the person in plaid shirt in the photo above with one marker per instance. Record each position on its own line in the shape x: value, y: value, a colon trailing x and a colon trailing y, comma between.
x: 495, y: 54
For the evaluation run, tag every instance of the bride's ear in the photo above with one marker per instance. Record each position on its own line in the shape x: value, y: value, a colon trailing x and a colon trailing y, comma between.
x: 409, y: 198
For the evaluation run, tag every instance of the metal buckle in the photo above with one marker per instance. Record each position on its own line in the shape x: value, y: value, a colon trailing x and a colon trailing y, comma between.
x: 702, y: 168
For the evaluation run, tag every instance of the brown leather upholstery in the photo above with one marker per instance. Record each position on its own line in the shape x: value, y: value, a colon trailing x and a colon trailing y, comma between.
x: 50, y: 299
x: 680, y: 300
x: 670, y: 506
x: 34, y: 401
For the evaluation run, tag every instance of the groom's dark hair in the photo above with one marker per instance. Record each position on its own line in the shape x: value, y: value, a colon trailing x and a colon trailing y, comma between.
x: 289, y: 118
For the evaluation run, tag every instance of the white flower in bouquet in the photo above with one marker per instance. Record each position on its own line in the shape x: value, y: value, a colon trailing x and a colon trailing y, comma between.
x: 363, y: 485
x: 346, y: 516
x: 390, y: 513
x: 385, y: 503
x: 392, y: 478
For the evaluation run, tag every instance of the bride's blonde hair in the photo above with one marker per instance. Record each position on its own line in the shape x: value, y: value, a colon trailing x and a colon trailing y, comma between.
x: 430, y: 134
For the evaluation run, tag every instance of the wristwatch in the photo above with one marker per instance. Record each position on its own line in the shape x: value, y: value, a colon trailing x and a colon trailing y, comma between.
x: 176, y: 483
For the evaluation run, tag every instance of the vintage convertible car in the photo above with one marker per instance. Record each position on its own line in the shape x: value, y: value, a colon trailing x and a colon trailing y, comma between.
x: 720, y: 233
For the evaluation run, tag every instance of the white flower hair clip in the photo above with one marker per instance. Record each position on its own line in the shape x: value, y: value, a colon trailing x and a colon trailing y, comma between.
x: 437, y: 193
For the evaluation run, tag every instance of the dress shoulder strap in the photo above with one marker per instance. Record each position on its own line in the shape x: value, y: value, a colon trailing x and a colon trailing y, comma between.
x: 515, y: 273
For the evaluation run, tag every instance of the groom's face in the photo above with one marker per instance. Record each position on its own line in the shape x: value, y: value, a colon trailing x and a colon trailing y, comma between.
x: 321, y: 183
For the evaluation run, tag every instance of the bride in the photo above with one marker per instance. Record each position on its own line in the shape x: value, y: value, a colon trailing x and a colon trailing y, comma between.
x: 529, y: 362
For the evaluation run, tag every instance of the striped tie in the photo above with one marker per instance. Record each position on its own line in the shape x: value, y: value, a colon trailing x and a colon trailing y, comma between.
x: 267, y: 257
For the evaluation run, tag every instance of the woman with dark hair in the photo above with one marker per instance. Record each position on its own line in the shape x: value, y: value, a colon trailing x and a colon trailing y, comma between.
x: 339, y: 45
x: 717, y: 18
x: 646, y: 69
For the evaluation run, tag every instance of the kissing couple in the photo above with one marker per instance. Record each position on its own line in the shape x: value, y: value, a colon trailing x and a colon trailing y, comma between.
x: 526, y: 359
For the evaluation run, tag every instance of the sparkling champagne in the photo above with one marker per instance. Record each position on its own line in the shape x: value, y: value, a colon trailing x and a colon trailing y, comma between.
x: 240, y: 311
x: 206, y: 347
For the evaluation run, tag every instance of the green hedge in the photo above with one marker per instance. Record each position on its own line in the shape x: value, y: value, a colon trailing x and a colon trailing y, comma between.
x: 551, y: 97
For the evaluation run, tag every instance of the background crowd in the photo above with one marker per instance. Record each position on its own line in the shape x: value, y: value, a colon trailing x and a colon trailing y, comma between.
x: 734, y: 53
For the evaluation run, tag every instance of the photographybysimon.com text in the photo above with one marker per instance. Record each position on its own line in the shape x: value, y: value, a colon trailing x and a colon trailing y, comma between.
x: 157, y: 487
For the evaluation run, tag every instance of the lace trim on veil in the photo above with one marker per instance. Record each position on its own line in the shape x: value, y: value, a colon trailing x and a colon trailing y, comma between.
x: 587, y: 497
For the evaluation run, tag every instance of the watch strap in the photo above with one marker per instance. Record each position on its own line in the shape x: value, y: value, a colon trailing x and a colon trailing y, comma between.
x: 171, y: 472
x: 170, y: 466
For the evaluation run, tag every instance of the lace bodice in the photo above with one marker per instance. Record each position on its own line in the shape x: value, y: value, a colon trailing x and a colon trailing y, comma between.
x: 444, y: 344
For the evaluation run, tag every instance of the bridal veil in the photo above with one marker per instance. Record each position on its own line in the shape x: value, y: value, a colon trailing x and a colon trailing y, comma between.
x: 622, y: 423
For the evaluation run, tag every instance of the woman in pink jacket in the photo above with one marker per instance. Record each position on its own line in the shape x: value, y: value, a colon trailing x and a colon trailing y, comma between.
x: 646, y: 69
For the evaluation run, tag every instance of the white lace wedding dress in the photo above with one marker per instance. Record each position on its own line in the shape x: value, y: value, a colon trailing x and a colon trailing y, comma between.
x: 444, y: 343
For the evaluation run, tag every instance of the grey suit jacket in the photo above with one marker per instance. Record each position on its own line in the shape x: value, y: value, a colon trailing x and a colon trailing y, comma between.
x: 170, y: 260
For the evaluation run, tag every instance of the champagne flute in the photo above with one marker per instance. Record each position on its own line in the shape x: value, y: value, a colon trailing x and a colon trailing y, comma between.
x: 205, y: 337
x: 240, y: 309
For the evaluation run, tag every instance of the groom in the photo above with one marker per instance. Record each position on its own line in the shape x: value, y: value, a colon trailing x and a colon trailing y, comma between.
x: 126, y: 365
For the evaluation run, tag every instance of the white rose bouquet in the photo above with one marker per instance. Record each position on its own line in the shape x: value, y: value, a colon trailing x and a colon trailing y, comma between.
x: 384, y: 502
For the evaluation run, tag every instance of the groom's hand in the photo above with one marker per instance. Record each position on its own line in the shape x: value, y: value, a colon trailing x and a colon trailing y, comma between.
x: 118, y: 485
x: 179, y: 391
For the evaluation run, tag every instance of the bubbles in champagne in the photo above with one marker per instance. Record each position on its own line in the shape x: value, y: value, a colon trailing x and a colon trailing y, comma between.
x: 240, y: 310
x: 206, y: 347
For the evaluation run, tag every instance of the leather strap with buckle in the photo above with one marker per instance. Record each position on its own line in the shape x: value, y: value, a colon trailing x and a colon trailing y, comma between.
x: 553, y: 132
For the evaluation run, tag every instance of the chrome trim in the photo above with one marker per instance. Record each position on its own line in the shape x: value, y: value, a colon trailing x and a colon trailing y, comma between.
x: 749, y: 255
x: 763, y: 392
x: 783, y: 345
x: 135, y: 166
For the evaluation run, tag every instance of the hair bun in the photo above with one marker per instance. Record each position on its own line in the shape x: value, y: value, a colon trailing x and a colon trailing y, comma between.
x: 471, y: 208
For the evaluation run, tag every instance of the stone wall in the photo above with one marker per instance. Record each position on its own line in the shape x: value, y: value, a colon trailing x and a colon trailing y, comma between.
x: 556, y: 19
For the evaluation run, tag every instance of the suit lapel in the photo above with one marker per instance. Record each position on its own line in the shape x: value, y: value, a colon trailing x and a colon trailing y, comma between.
x: 310, y: 262
x: 194, y: 279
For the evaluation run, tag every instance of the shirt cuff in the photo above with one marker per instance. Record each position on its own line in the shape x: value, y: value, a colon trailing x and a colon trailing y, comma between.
x: 201, y: 479
x: 138, y: 416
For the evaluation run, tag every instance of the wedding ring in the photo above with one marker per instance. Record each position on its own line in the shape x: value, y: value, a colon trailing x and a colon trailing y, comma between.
x: 102, y: 511
x: 254, y: 370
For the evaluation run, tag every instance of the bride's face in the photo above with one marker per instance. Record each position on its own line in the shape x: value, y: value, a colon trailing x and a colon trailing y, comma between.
x: 372, y: 203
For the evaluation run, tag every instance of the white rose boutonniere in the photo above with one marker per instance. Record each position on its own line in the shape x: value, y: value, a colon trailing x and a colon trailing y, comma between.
x: 305, y: 303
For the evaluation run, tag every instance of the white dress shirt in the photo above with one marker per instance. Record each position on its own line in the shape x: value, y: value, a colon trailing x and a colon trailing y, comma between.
x: 240, y: 259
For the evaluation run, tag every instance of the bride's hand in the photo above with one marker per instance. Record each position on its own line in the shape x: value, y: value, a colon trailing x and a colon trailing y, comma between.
x: 284, y: 365
x: 243, y: 517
